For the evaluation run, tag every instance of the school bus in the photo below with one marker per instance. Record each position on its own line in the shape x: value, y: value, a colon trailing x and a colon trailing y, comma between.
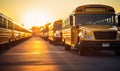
x: 11, y: 32
x: 91, y: 27
x: 41, y: 31
x: 118, y: 20
x: 118, y: 23
x: 55, y: 29
x: 45, y: 31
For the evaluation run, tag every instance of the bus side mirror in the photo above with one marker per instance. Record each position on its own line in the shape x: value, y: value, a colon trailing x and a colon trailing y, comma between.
x: 118, y: 20
x: 71, y: 20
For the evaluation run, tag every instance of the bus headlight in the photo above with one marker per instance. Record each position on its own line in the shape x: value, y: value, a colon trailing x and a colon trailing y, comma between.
x: 89, y: 37
x: 81, y: 35
x: 57, y: 34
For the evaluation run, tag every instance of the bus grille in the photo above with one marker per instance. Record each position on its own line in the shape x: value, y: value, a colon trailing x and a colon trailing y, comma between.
x: 105, y: 35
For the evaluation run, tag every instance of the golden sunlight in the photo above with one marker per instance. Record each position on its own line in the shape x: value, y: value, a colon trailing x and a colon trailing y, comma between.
x: 35, y: 18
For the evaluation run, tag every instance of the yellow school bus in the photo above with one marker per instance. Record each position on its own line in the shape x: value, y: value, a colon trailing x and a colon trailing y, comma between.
x: 41, y: 31
x: 118, y: 23
x: 91, y: 27
x: 55, y: 29
x: 45, y: 31
x: 118, y: 20
x: 11, y: 32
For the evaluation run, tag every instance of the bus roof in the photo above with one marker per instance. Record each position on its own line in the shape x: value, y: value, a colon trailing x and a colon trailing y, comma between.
x: 94, y: 8
x: 57, y: 21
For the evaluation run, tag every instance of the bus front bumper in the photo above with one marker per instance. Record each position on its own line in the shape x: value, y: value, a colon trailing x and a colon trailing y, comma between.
x: 57, y: 39
x: 108, y: 45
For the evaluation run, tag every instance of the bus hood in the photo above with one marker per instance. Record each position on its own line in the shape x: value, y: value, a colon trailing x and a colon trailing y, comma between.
x: 97, y: 27
x: 98, y: 32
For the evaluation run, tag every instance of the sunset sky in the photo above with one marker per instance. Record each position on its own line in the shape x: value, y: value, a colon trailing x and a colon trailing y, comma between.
x: 38, y: 12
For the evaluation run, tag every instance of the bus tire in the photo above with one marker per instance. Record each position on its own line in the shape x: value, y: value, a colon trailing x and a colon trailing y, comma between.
x: 9, y: 43
x: 82, y: 51
x: 55, y: 43
x: 66, y: 47
x: 117, y: 52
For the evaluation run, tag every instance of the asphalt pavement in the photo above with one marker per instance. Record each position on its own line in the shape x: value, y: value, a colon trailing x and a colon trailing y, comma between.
x: 36, y: 54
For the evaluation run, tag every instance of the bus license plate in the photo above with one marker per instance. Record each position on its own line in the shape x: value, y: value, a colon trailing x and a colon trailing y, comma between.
x: 105, y: 45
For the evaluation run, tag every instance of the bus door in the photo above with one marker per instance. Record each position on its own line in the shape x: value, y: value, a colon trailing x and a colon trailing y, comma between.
x: 119, y: 20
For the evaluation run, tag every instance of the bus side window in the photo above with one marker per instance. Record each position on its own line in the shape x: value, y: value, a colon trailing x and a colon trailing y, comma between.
x: 4, y: 23
x: 118, y: 20
x: 0, y: 22
x: 71, y: 20
x: 10, y: 25
x: 66, y: 23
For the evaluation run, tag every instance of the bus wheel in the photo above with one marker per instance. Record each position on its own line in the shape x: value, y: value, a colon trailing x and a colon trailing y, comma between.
x: 81, y: 51
x: 9, y: 43
x: 55, y: 43
x: 66, y: 47
x: 117, y: 52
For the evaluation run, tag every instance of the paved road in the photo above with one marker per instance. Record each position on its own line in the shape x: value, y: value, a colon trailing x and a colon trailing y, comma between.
x: 35, y: 54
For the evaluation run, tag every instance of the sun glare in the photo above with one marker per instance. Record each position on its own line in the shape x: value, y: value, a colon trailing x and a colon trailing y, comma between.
x: 35, y: 18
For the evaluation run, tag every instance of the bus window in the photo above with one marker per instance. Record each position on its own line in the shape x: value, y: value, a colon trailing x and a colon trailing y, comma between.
x: 4, y: 23
x: 0, y: 22
x: 92, y: 19
x: 71, y: 20
x: 66, y: 23
x: 118, y: 20
x: 10, y: 26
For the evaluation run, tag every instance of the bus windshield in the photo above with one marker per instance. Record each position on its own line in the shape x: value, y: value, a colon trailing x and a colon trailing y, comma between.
x: 95, y: 19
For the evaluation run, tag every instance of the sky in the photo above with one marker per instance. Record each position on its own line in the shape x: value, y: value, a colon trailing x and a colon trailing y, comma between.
x: 39, y: 12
